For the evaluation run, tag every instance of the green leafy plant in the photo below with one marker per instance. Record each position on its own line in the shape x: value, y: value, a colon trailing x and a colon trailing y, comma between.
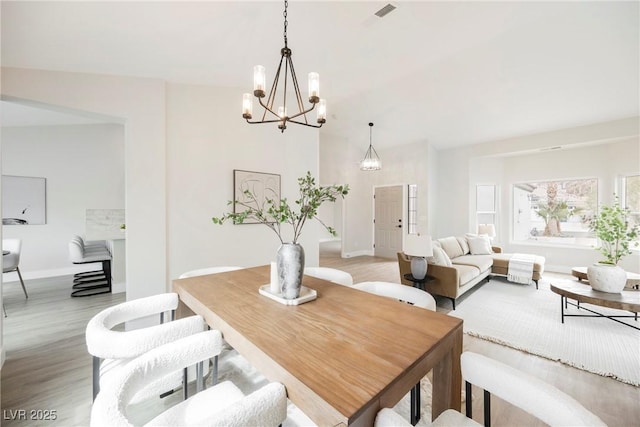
x: 611, y: 226
x: 273, y: 213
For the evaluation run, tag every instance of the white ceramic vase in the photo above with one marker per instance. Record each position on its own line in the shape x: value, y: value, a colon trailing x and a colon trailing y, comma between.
x: 607, y: 278
x: 290, y: 260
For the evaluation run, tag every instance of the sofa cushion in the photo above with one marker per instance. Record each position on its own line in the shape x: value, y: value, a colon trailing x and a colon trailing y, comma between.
x: 463, y: 244
x: 482, y: 262
x: 451, y: 247
x: 466, y: 273
x: 439, y: 257
x: 480, y: 245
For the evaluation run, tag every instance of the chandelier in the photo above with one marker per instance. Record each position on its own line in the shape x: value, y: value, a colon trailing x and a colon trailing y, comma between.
x: 282, y: 115
x: 371, y: 161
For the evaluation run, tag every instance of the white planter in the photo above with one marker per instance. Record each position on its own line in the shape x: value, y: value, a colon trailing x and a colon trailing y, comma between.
x: 607, y: 278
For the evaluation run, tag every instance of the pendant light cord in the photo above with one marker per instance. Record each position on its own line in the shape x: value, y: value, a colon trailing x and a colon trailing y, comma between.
x: 286, y: 4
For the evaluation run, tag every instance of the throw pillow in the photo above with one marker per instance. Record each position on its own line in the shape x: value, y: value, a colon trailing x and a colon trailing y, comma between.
x: 463, y: 244
x: 439, y: 257
x: 451, y: 247
x: 480, y: 245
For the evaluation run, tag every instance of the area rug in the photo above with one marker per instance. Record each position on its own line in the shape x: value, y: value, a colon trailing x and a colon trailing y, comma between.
x: 523, y: 318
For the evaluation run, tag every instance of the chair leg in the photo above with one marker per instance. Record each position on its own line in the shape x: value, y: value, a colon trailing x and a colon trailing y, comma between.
x: 96, y: 376
x: 106, y: 267
x: 4, y: 309
x: 185, y: 383
x: 487, y: 409
x: 467, y: 400
x: 214, y: 374
x: 22, y: 283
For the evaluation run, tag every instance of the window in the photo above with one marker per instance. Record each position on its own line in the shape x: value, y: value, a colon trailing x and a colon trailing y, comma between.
x: 555, y: 212
x: 485, y: 205
x: 412, y: 203
x: 632, y: 198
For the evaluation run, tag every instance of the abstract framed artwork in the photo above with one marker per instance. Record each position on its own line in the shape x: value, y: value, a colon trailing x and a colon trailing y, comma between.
x: 262, y: 185
x: 24, y: 200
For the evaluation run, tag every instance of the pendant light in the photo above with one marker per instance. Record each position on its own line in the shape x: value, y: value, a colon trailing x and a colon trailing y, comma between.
x: 371, y: 161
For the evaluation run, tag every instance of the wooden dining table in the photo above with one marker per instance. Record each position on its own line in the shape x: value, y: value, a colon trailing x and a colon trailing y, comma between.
x: 343, y: 356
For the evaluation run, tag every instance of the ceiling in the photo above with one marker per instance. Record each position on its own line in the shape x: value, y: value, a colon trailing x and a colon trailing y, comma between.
x: 449, y: 73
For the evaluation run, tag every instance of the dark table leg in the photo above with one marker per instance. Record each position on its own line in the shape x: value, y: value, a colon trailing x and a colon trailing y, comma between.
x: 415, y: 404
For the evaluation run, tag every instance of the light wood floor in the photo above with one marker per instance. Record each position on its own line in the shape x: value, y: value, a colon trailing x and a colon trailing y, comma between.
x: 47, y: 366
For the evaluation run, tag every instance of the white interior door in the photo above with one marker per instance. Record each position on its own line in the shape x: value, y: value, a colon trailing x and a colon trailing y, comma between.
x: 388, y: 221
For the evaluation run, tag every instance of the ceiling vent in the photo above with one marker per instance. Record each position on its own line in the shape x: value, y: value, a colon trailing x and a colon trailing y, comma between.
x: 385, y: 10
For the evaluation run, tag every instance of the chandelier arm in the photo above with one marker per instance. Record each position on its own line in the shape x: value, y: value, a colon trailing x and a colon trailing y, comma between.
x: 303, y: 113
x: 305, y: 124
x: 296, y: 87
x: 272, y: 92
x: 267, y: 108
x: 264, y: 121
x: 286, y: 74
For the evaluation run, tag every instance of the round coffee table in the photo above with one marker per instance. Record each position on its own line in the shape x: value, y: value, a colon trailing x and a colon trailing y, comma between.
x: 633, y: 279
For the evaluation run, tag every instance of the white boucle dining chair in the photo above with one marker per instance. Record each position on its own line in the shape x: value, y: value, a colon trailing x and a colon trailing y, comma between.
x: 411, y: 295
x: 331, y: 274
x: 221, y: 405
x: 112, y: 350
x: 534, y: 396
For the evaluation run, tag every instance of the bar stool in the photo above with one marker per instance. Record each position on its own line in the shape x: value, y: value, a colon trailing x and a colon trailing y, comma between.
x: 90, y: 282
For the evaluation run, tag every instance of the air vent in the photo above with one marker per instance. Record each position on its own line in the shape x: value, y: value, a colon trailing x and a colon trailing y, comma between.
x: 385, y: 10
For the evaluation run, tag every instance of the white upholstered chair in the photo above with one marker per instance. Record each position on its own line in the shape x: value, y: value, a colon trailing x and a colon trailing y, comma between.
x: 209, y: 270
x: 331, y: 274
x: 221, y: 405
x: 532, y: 395
x: 112, y: 350
x: 11, y: 261
x: 405, y: 293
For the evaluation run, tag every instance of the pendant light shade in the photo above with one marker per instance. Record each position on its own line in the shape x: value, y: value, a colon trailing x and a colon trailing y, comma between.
x: 371, y: 161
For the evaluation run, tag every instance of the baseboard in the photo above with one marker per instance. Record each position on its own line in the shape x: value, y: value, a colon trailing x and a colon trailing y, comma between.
x: 555, y: 268
x: 358, y: 253
x: 43, y: 274
x: 116, y: 288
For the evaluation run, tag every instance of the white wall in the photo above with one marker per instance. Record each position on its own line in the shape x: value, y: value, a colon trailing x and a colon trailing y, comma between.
x: 140, y: 104
x: 84, y: 168
x: 207, y: 139
x: 407, y: 164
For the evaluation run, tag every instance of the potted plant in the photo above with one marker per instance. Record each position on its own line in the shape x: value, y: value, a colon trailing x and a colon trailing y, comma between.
x: 274, y: 213
x: 616, y: 235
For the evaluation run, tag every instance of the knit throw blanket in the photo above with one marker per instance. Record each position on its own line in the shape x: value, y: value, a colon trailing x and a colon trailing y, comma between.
x: 521, y: 268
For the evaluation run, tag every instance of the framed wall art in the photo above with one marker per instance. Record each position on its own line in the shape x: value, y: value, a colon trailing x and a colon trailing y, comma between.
x: 262, y: 185
x: 24, y: 200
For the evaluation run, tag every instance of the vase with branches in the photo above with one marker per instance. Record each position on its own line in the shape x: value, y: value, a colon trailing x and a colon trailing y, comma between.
x: 275, y: 213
